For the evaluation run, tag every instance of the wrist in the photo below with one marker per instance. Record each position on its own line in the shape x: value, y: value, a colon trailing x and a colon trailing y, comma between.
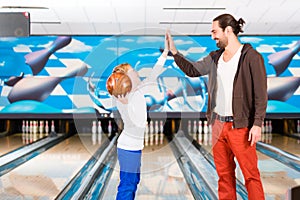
x: 173, y: 51
x: 165, y: 53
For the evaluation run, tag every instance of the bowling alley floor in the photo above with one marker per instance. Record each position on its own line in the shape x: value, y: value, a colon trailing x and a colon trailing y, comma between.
x: 161, y: 177
x: 44, y: 176
x: 277, y: 178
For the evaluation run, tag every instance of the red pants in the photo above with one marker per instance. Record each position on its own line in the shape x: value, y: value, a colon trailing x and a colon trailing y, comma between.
x: 229, y: 143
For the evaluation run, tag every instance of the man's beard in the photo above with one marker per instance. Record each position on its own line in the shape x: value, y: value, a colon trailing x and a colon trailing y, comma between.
x: 221, y: 44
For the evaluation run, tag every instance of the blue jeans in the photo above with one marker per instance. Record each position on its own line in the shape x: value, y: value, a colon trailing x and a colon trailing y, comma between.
x: 130, y: 164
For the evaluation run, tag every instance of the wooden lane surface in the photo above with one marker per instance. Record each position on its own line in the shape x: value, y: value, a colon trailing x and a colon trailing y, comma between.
x: 48, y: 173
x: 161, y: 177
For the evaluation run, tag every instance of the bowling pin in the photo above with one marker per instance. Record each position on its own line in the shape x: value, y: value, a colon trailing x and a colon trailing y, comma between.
x: 205, y: 130
x: 147, y: 134
x: 41, y: 127
x: 23, y: 126
x: 195, y: 130
x: 34, y: 129
x: 263, y: 127
x: 109, y: 128
x: 94, y: 127
x: 270, y: 126
x: 52, y: 126
x: 30, y: 126
x: 161, y: 131
x: 151, y: 129
x: 27, y: 126
x: 267, y: 126
x: 298, y: 126
x: 156, y: 132
x: 189, y: 127
x: 46, y: 128
x: 200, y: 132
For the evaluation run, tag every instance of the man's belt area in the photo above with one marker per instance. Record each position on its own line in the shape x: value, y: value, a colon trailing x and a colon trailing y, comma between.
x: 223, y: 118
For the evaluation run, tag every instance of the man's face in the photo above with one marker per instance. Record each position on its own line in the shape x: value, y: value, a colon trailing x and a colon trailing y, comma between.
x: 218, y: 35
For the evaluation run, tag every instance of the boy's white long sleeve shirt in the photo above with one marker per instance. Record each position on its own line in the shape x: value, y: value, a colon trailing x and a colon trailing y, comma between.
x: 134, y: 114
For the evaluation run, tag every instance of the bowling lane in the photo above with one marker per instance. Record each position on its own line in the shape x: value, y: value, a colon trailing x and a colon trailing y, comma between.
x: 276, y: 177
x: 44, y: 176
x: 285, y: 143
x: 12, y: 142
x: 161, y: 177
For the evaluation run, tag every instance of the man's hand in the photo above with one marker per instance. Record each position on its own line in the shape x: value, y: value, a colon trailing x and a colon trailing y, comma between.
x: 123, y: 98
x: 166, y: 49
x: 254, y: 134
x: 171, y: 44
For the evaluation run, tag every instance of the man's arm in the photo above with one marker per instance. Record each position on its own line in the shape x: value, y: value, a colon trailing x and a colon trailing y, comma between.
x: 258, y: 71
x: 192, y: 69
x: 260, y: 96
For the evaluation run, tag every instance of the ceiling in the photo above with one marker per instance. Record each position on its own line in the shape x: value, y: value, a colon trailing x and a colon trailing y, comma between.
x: 153, y: 17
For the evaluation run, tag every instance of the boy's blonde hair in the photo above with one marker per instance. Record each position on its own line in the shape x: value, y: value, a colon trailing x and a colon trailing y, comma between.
x: 118, y: 83
x: 123, y: 68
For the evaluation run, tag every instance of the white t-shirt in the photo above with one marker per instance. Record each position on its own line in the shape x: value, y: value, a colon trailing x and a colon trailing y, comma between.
x: 225, y: 77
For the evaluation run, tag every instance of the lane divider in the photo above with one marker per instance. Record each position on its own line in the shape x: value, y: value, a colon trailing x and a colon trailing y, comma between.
x: 198, y: 184
x: 93, y: 174
x: 23, y: 154
x: 284, y: 157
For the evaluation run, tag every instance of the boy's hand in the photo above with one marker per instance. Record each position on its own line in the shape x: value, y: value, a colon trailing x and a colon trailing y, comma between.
x: 123, y: 98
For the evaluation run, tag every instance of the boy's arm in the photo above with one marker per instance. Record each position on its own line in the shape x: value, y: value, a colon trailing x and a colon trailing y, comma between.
x: 157, y: 69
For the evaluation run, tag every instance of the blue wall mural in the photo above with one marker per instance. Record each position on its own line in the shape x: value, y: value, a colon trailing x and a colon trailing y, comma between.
x: 67, y: 74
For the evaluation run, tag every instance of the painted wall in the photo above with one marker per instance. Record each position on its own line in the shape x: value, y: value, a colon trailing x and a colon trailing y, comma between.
x: 67, y: 74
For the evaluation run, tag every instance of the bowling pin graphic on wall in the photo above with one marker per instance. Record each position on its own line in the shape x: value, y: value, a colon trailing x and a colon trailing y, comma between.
x: 38, y: 59
x: 40, y: 87
x: 280, y: 60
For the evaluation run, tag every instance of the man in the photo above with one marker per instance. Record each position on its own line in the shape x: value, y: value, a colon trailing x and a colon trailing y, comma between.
x: 237, y: 102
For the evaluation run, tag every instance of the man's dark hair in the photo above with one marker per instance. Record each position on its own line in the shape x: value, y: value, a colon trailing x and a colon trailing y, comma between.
x: 228, y: 20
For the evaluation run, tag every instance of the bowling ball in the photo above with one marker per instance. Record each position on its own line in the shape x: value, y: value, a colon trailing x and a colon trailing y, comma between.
x: 118, y: 83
